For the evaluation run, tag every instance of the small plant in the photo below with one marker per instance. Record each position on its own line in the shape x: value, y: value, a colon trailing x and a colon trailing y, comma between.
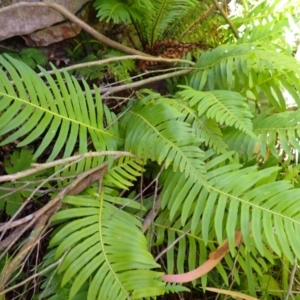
x: 31, y: 56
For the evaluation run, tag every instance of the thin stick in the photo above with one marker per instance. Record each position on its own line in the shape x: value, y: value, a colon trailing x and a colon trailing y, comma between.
x: 222, y: 12
x: 107, y: 91
x: 38, y: 167
x: 118, y: 58
x: 291, y: 281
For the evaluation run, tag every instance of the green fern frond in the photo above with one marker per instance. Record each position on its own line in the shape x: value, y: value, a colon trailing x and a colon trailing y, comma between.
x: 274, y: 133
x: 123, y: 173
x: 118, y: 11
x: 246, y: 199
x: 248, y: 67
x: 283, y: 128
x: 237, y: 198
x: 30, y: 56
x: 120, y: 70
x: 152, y: 130
x: 266, y: 34
x: 211, y: 133
x: 225, y: 107
x: 12, y: 194
x: 162, y: 15
x: 205, y: 128
x: 62, y: 112
x: 268, y: 23
x: 183, y: 243
x: 106, y: 247
x: 91, y: 72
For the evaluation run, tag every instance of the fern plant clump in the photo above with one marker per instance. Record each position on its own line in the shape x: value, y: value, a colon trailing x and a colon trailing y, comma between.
x: 199, y: 187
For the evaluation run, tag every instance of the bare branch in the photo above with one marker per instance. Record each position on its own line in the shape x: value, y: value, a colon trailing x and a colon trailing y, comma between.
x: 222, y: 12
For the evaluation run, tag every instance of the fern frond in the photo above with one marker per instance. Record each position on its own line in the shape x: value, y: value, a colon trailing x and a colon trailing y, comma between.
x: 205, y: 128
x: 265, y: 34
x: 183, y: 243
x: 281, y: 127
x: 61, y: 113
x: 118, y: 11
x: 31, y: 56
x: 12, y: 194
x: 248, y: 67
x: 162, y: 15
x: 91, y: 72
x: 107, y: 247
x: 274, y: 133
x: 268, y: 23
x: 225, y: 107
x: 237, y: 198
x: 123, y: 173
x: 152, y: 130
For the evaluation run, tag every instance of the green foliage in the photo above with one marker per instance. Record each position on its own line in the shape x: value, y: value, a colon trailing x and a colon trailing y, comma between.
x: 151, y: 19
x: 270, y: 23
x: 112, y: 249
x: 63, y: 112
x: 91, y: 72
x: 30, y: 56
x: 119, y: 11
x: 120, y: 70
x: 13, y: 194
x: 250, y: 70
x: 214, y: 149
x: 226, y: 107
x: 163, y: 139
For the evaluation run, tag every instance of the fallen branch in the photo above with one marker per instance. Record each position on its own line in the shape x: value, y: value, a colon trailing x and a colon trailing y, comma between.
x: 109, y: 90
x: 38, y: 167
x: 119, y: 58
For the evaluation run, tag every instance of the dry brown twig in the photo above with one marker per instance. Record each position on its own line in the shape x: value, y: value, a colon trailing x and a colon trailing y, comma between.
x: 38, y: 167
x: 119, y: 58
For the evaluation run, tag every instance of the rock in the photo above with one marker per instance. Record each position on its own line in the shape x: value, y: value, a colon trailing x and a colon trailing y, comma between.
x: 25, y: 20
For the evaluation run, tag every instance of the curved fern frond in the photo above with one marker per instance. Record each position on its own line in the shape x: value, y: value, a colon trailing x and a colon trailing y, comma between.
x: 248, y: 68
x: 275, y: 133
x: 281, y: 127
x: 205, y: 128
x: 62, y: 112
x: 163, y: 14
x: 246, y: 198
x: 268, y: 23
x: 225, y: 107
x: 118, y: 11
x: 107, y: 247
x: 123, y: 173
x: 152, y: 130
x: 265, y: 33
